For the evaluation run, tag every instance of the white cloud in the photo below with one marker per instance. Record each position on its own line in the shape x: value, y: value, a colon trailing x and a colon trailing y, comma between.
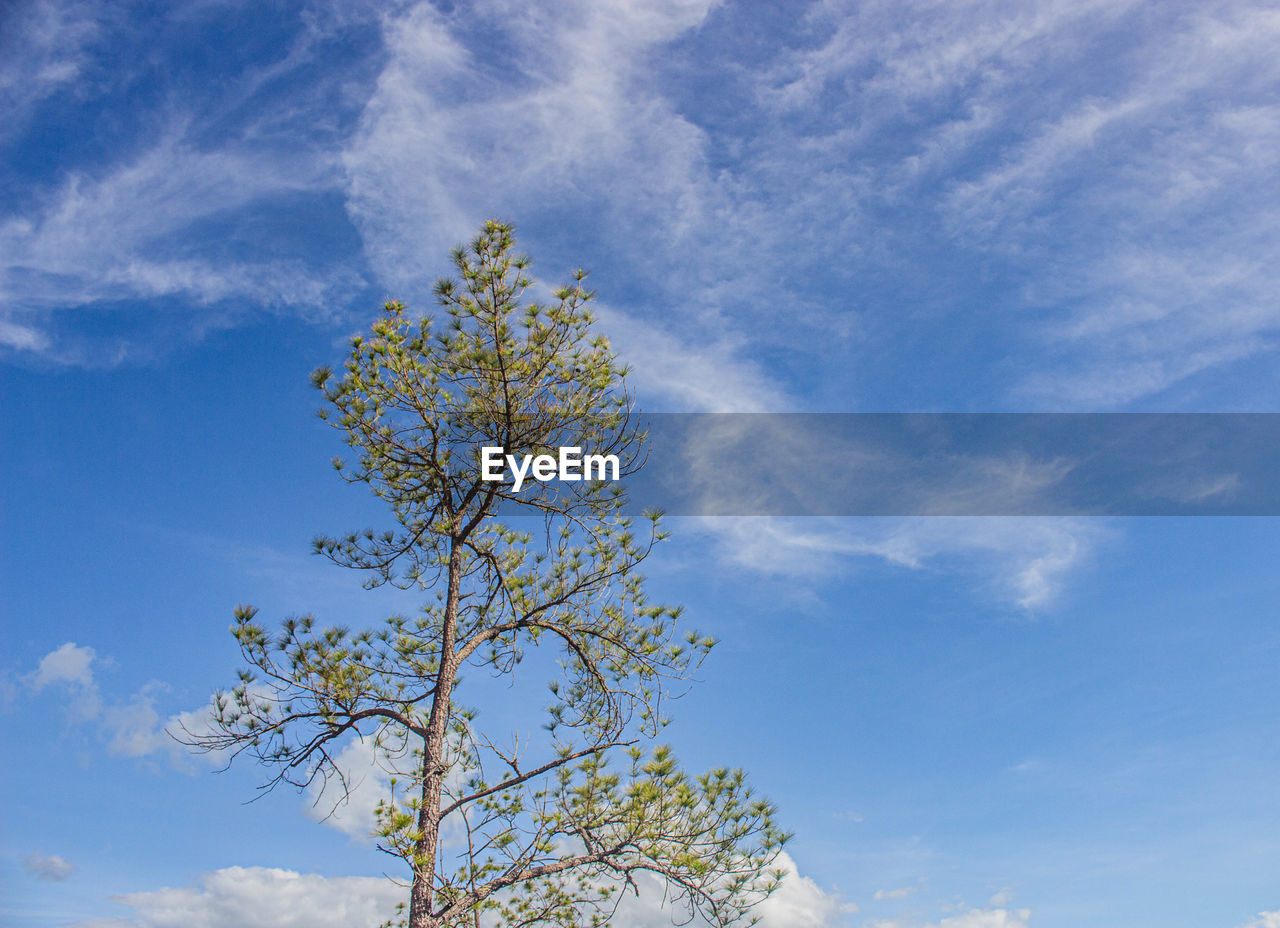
x: 569, y: 120
x: 52, y: 868
x: 1004, y: 896
x: 900, y: 893
x: 709, y: 376
x: 801, y: 903
x: 260, y: 897
x: 988, y: 918
x: 1133, y: 189
x: 980, y: 113
x: 22, y: 337
x: 1183, y: 284
x: 43, y: 52
x: 1132, y: 193
x: 351, y: 808
x: 1264, y: 920
x: 68, y: 663
x: 974, y: 918
x: 161, y: 217
x: 914, y: 51
x: 1021, y: 559
x: 68, y: 669
x: 449, y: 136
x: 798, y: 903
x: 134, y: 725
x: 249, y: 897
x: 130, y: 727
x: 105, y: 237
x: 196, y: 723
x: 1201, y: 51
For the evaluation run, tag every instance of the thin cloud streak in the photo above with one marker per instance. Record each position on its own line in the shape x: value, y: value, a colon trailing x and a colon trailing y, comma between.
x: 1108, y: 163
x: 1022, y: 561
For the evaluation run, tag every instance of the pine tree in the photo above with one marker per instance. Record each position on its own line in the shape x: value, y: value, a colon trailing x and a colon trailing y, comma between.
x: 554, y: 839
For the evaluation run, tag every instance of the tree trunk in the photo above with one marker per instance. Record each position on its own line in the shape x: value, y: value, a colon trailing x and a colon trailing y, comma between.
x: 433, y: 768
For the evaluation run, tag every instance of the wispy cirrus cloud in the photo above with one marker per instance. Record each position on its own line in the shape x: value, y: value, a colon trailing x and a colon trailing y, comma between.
x: 452, y: 135
x: 1161, y: 191
x: 1111, y: 164
x: 200, y: 210
x: 44, y: 48
x: 102, y: 238
x: 139, y: 233
x: 1076, y: 149
x: 1023, y: 561
x: 1081, y: 157
x: 1085, y: 184
x: 564, y: 125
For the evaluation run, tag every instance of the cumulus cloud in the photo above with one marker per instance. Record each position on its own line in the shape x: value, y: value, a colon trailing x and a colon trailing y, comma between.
x: 1264, y: 920
x: 52, y: 868
x: 350, y: 804
x: 798, y: 903
x: 68, y: 663
x: 134, y: 725
x: 131, y: 726
x: 69, y: 669
x: 261, y: 897
x: 249, y: 897
x: 801, y: 903
x: 1002, y: 897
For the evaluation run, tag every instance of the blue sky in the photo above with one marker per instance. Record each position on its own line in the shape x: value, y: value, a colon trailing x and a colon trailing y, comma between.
x: 871, y: 207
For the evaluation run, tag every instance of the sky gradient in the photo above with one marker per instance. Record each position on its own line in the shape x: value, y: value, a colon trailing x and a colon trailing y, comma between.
x: 1036, y: 206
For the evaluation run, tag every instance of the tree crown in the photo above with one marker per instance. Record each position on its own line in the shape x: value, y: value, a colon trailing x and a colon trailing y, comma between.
x: 528, y: 839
